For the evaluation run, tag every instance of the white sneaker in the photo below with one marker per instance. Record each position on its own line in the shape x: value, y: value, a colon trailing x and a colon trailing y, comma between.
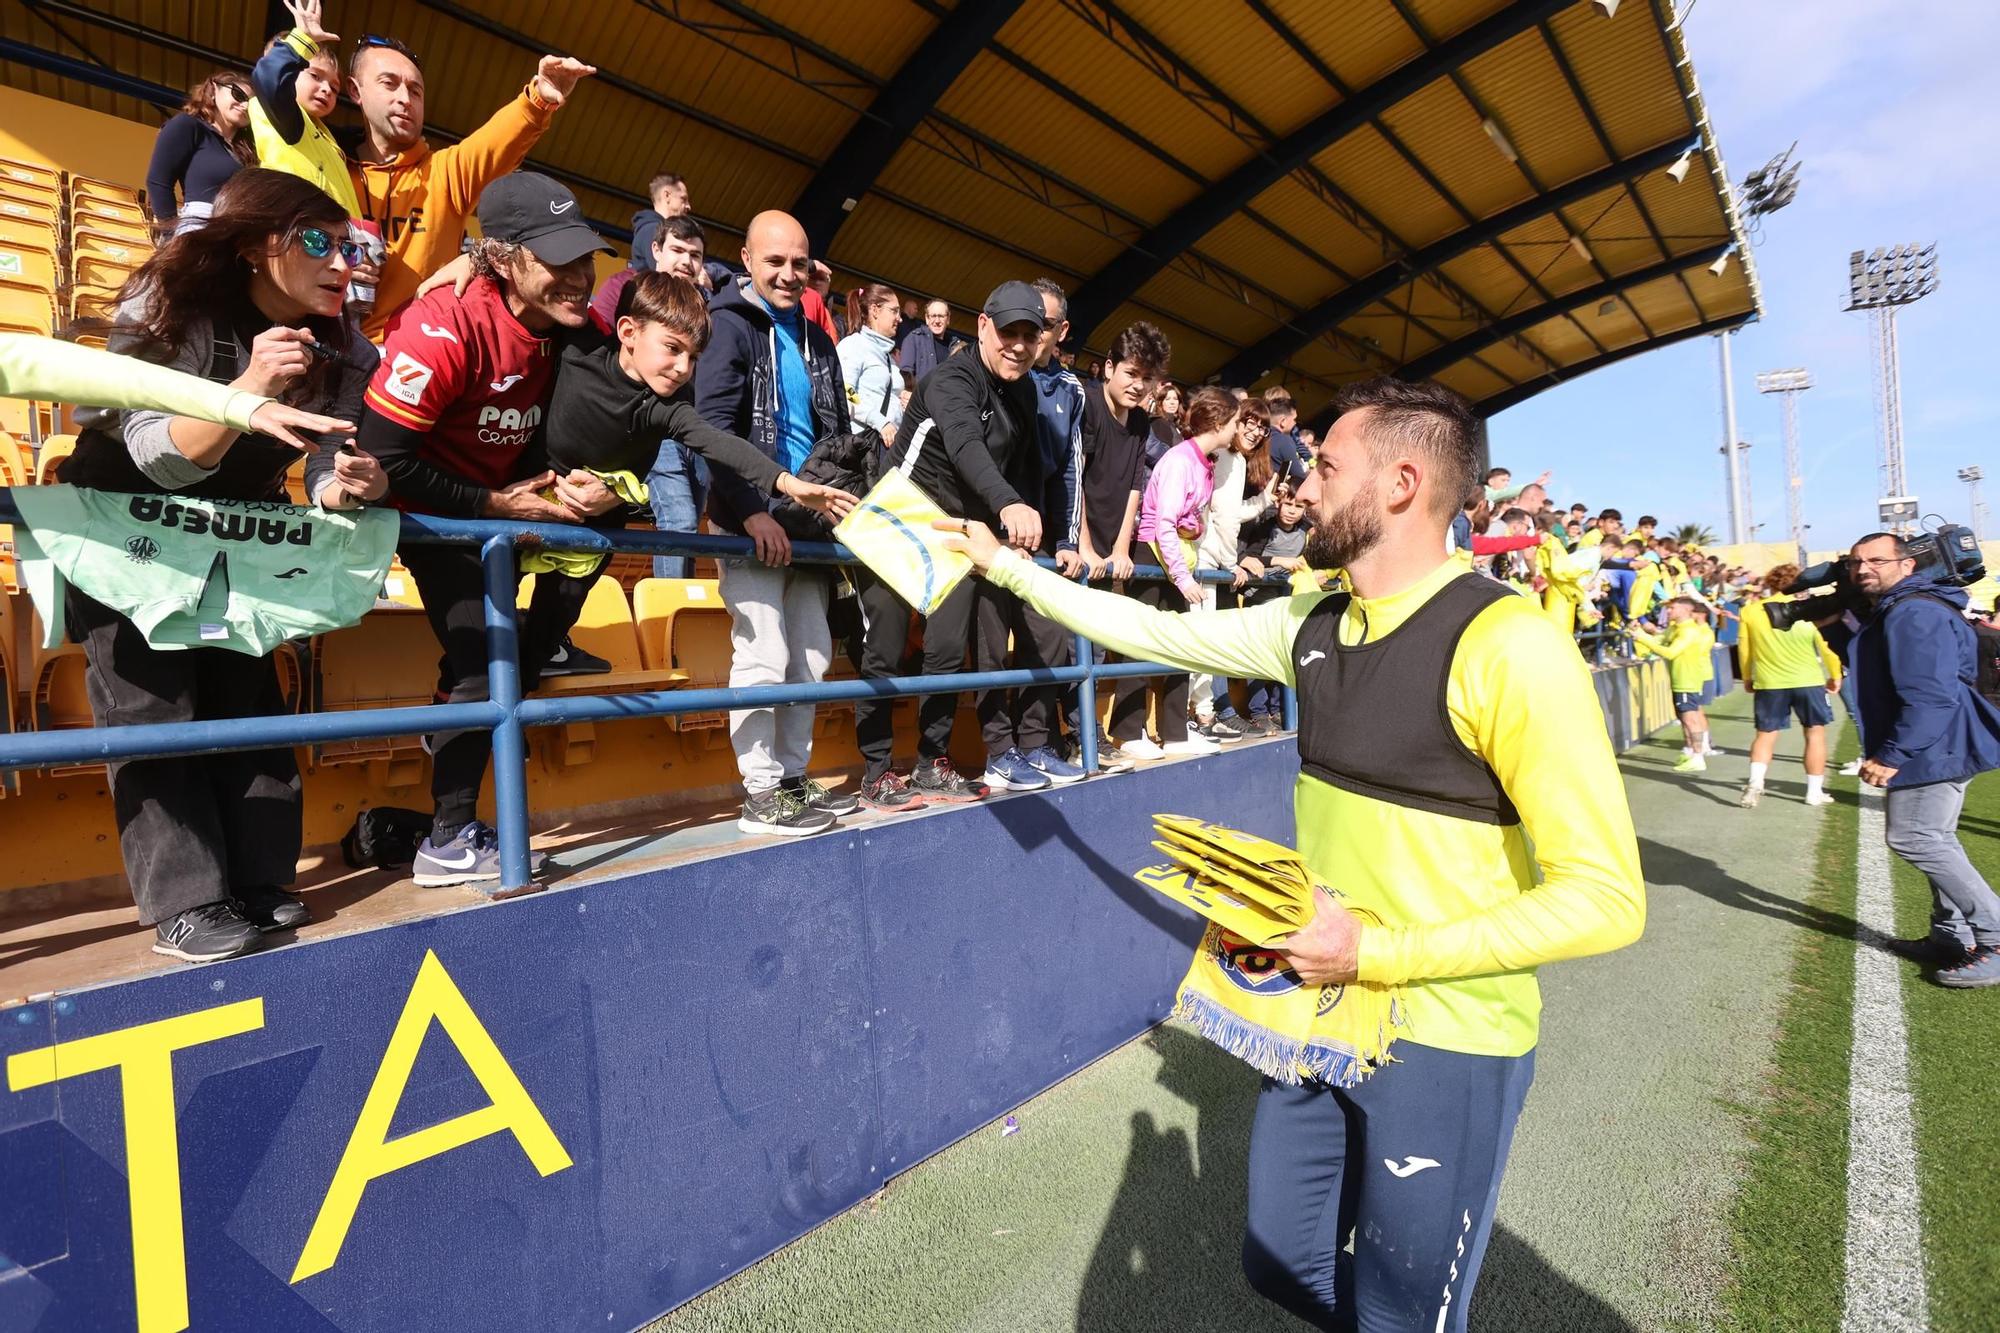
x: 1851, y: 769
x: 1818, y: 798
x: 1751, y: 795
x: 1196, y: 743
x: 1712, y: 751
x: 1143, y: 748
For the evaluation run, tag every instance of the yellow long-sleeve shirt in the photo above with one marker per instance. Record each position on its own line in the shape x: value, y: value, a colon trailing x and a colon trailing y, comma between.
x: 1795, y: 658
x: 1689, y: 648
x: 54, y: 371
x: 421, y: 200
x: 1469, y: 909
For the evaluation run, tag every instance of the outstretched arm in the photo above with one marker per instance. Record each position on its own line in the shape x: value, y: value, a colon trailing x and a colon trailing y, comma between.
x: 1254, y: 643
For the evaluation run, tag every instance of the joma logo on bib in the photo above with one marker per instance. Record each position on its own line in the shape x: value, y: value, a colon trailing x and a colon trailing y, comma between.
x: 199, y: 520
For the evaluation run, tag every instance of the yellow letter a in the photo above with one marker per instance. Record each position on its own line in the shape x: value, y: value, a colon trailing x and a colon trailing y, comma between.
x: 371, y: 1154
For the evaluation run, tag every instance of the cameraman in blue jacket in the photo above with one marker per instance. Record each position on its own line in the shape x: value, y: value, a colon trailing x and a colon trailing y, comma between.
x: 1925, y: 734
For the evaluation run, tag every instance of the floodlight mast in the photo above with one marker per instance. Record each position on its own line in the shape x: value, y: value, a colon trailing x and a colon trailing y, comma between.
x: 1879, y: 282
x: 1972, y: 476
x: 1789, y: 384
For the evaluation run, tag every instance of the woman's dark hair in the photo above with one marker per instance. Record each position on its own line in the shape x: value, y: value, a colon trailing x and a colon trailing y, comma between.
x: 201, y: 104
x: 1210, y: 409
x: 1257, y: 463
x: 863, y: 299
x: 202, y: 274
x: 653, y: 297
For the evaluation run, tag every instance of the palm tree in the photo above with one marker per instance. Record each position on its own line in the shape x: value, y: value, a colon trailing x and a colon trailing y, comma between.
x: 1694, y: 534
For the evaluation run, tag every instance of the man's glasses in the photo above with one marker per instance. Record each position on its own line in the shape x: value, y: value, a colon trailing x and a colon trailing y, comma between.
x: 388, y: 44
x: 318, y: 243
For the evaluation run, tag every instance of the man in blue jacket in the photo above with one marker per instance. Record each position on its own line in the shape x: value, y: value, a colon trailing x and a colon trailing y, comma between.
x: 771, y: 376
x: 1925, y: 734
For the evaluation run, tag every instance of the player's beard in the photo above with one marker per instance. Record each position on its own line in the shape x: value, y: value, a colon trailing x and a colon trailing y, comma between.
x: 1347, y: 534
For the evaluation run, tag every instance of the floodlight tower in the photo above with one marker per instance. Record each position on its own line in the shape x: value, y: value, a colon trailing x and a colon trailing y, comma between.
x: 1789, y: 384
x: 1972, y: 476
x: 1880, y: 281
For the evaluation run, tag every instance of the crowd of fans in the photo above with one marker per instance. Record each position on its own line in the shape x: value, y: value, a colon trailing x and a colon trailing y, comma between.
x: 309, y: 261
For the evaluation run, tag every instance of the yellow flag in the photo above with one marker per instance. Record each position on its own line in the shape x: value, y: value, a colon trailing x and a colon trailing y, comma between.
x: 890, y: 532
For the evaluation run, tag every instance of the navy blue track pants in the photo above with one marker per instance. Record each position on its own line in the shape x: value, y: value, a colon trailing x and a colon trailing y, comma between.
x: 1407, y: 1166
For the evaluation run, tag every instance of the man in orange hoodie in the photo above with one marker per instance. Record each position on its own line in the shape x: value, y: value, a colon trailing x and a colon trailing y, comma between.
x: 420, y: 199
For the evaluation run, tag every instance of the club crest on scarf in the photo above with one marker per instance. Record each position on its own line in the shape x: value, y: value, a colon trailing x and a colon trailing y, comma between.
x: 1250, y: 967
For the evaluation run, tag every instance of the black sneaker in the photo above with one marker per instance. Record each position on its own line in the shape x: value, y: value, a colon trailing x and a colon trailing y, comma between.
x: 1223, y: 730
x: 937, y: 781
x: 1266, y: 725
x: 781, y: 812
x: 1111, y: 758
x: 271, y: 909
x: 207, y: 934
x: 822, y: 797
x: 886, y: 791
x: 1936, y: 951
x: 570, y: 660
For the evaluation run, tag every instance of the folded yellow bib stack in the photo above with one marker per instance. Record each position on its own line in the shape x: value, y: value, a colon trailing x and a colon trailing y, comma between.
x: 1238, y: 992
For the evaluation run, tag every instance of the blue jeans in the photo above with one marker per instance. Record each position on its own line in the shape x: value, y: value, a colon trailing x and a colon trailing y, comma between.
x: 1266, y: 696
x: 1407, y: 1165
x: 677, y: 488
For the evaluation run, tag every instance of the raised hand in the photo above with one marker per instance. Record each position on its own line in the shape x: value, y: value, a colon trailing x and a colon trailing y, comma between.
x: 558, y: 75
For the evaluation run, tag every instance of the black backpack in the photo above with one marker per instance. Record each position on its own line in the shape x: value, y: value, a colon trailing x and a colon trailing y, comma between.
x: 385, y: 838
x: 853, y: 462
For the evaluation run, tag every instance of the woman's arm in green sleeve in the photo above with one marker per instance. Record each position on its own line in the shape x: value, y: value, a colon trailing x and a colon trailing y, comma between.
x: 50, y: 370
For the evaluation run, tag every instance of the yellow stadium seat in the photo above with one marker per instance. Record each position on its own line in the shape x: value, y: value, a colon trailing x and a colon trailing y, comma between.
x: 94, y: 273
x: 61, y: 697
x: 89, y: 187
x: 40, y: 176
x: 29, y: 208
x: 126, y: 212
x: 21, y: 419
x: 398, y: 587
x: 24, y: 310
x: 28, y: 266
x: 10, y: 578
x: 655, y: 603
x: 9, y: 783
x: 14, y: 467
x: 605, y: 627
x: 699, y: 643
x: 93, y: 303
x: 387, y: 660
x: 111, y: 231
x: 49, y: 457
x: 110, y: 246
x: 29, y: 233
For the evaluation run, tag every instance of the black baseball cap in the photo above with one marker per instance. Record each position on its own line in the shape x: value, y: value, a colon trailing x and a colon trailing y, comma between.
x: 1014, y: 303
x: 534, y: 210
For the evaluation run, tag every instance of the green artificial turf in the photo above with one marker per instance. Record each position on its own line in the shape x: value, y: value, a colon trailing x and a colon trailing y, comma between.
x: 1955, y: 1080
x: 1789, y: 1223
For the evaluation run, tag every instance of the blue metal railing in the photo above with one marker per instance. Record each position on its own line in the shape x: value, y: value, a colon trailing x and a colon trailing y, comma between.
x: 507, y: 714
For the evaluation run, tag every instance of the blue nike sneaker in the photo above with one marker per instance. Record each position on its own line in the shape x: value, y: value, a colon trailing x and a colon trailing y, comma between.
x: 1054, y: 767
x: 472, y: 856
x: 1012, y: 772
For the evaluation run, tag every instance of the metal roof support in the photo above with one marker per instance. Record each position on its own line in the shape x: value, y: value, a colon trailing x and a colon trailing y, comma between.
x: 98, y: 76
x: 897, y: 110
x: 1522, y: 392
x: 1479, y: 340
x: 1256, y: 360
x: 1116, y: 281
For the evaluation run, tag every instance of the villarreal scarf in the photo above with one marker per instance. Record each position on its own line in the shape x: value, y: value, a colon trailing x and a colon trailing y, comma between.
x: 1237, y: 992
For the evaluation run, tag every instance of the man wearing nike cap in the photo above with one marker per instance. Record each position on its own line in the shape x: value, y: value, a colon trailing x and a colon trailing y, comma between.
x: 453, y: 413
x: 968, y: 441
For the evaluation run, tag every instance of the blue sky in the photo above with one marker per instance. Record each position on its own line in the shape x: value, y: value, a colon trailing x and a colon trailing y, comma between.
x: 1897, y: 116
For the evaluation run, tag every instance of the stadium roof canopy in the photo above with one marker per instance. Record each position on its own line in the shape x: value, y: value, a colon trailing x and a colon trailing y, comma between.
x: 1295, y: 191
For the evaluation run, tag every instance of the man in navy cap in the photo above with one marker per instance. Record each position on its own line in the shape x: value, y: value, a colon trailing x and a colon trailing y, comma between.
x: 968, y: 441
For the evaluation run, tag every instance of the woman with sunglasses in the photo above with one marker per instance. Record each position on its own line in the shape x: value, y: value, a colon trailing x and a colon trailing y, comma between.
x: 251, y: 300
x: 197, y: 151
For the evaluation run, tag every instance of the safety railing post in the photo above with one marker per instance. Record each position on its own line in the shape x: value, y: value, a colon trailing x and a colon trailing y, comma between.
x: 1086, y: 697
x: 503, y: 683
x: 1291, y: 697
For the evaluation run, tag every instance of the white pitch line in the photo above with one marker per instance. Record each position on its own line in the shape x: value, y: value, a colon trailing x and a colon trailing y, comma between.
x: 1885, y: 1261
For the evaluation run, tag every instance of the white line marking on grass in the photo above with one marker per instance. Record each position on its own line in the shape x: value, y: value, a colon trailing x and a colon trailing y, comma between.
x: 1885, y: 1262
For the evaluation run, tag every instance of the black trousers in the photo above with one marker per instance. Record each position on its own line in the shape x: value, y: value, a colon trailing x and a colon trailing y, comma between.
x: 451, y: 582
x: 1128, y: 709
x: 195, y: 828
x: 978, y: 616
